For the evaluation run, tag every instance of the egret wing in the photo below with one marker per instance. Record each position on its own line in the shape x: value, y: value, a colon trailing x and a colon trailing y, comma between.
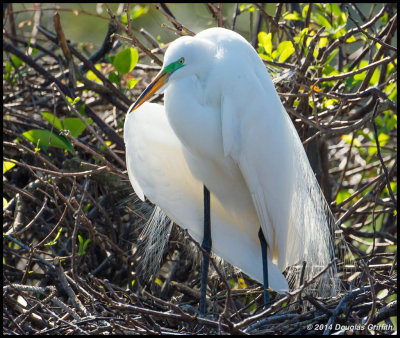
x: 159, y: 166
x: 259, y: 135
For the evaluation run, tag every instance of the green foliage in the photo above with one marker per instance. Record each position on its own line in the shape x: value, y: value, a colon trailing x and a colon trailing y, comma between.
x: 281, y: 54
x: 132, y: 83
x: 44, y: 138
x: 342, y: 195
x: 73, y: 124
x: 135, y: 12
x: 54, y: 241
x: 92, y: 76
x: 82, y: 245
x: 114, y: 78
x: 7, y: 166
x: 246, y: 8
x: 126, y: 60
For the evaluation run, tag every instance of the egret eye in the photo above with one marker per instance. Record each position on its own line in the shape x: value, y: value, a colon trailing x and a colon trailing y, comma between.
x: 181, y: 61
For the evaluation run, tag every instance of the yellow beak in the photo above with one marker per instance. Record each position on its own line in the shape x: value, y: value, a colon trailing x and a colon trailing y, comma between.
x: 159, y: 81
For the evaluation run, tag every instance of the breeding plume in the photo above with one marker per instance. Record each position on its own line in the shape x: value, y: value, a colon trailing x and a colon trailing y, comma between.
x: 224, y: 127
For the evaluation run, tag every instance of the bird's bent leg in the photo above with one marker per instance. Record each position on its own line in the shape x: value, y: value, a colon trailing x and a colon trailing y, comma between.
x: 206, y: 245
x: 263, y: 243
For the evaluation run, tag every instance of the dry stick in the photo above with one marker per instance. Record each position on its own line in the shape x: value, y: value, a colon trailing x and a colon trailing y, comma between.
x: 317, y: 304
x: 178, y: 32
x: 28, y: 60
x: 310, y: 53
x: 10, y: 13
x: 55, y: 227
x: 33, y: 45
x: 361, y: 55
x: 354, y: 72
x: 216, y: 12
x: 384, y: 44
x: 181, y: 317
x: 283, y: 300
x: 379, y: 54
x: 48, y: 264
x: 307, y: 23
x: 67, y: 288
x: 58, y: 8
x: 380, y: 155
x: 167, y: 13
x: 350, y: 211
x: 89, y: 64
x: 359, y: 191
x: 133, y: 37
x: 22, y: 193
x: 343, y: 173
x: 59, y: 173
x: 228, y: 301
x: 151, y: 39
x: 350, y: 33
x: 90, y: 128
x: 88, y: 149
x: 11, y: 232
x: 341, y: 130
x: 236, y: 12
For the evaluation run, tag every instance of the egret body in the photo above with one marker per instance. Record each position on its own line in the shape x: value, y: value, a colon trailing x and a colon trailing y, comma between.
x: 224, y: 126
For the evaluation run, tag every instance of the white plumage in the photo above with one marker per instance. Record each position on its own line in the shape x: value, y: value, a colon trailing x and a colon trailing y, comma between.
x: 224, y: 126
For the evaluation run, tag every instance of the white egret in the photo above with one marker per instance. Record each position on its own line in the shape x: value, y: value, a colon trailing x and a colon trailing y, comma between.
x: 223, y: 126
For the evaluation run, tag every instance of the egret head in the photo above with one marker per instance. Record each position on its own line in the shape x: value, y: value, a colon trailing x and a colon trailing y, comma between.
x: 186, y: 55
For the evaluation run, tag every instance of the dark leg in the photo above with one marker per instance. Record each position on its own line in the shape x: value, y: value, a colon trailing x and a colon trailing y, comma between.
x: 206, y: 245
x: 265, y: 267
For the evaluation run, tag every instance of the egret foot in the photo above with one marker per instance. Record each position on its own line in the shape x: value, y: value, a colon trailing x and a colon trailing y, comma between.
x: 206, y: 245
x: 264, y: 246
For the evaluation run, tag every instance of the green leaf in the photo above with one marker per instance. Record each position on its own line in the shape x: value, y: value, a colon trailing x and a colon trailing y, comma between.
x: 52, y: 119
x: 293, y: 16
x: 265, y: 57
x: 76, y: 100
x: 372, y: 150
x: 285, y: 49
x: 54, y: 241
x: 126, y: 60
x: 304, y: 12
x: 361, y: 76
x: 75, y: 125
x: 246, y: 8
x: 124, y: 18
x: 323, y: 42
x: 265, y: 41
x: 92, y: 76
x: 384, y: 18
x: 82, y: 245
x: 5, y: 202
x: 7, y: 166
x: 132, y: 83
x: 383, y: 138
x: 393, y: 186
x: 351, y: 39
x: 335, y: 9
x: 138, y: 11
x: 323, y: 21
x: 9, y: 68
x: 44, y: 138
x: 342, y: 195
x: 17, y: 61
x: 113, y: 77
